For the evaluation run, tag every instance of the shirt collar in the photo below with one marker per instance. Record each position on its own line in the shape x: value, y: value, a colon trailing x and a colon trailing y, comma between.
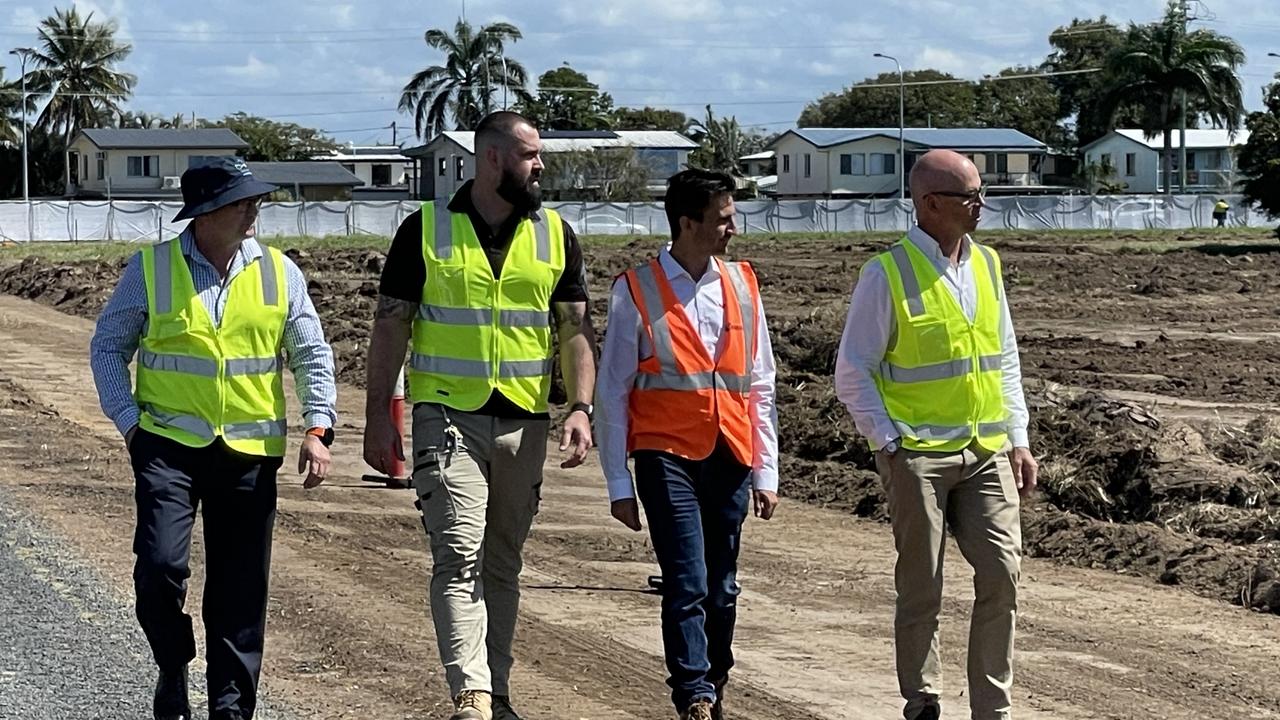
x: 932, y: 250
x: 674, y: 269
x: 249, y: 250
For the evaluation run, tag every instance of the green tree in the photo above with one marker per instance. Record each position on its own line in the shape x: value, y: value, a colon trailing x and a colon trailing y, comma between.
x: 1085, y: 45
x: 272, y: 141
x: 568, y: 100
x: 721, y: 142
x: 1259, y: 159
x: 75, y: 67
x: 1162, y: 63
x: 607, y: 174
x: 474, y: 72
x: 648, y: 118
x: 10, y: 111
x: 946, y: 104
x: 1028, y: 104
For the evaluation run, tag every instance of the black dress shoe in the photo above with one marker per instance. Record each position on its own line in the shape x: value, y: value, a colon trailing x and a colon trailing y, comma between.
x: 171, y: 701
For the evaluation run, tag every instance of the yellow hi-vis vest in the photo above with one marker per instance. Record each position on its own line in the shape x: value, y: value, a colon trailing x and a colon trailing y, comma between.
x: 474, y: 334
x: 941, y: 379
x: 197, y: 381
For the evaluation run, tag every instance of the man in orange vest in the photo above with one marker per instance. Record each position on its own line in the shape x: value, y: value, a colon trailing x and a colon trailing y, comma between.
x: 686, y: 388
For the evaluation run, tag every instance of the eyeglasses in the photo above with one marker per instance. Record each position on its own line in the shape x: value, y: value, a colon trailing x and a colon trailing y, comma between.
x: 972, y: 197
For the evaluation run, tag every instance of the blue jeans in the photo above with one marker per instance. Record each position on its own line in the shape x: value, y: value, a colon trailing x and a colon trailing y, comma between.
x: 695, y: 510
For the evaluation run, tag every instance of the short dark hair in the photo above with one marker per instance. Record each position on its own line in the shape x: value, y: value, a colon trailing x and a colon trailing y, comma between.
x: 690, y: 192
x: 499, y: 128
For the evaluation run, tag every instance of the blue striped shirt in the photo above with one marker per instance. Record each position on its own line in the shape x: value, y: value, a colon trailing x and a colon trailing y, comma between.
x: 123, y: 323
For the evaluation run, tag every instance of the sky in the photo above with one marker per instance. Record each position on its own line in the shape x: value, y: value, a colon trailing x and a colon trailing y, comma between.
x: 340, y: 66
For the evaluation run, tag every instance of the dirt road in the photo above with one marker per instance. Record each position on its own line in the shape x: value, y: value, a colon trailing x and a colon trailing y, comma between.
x: 349, y: 635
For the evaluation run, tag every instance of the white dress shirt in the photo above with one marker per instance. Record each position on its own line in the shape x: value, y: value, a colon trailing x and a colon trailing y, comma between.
x: 626, y: 343
x: 871, y: 327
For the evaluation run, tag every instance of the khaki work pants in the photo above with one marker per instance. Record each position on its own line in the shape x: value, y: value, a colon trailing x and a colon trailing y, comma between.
x: 973, y: 494
x: 479, y: 481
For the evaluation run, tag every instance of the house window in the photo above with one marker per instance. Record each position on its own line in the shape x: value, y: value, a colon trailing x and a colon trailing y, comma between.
x: 853, y: 164
x: 444, y: 167
x: 1130, y: 164
x: 381, y: 175
x: 101, y: 159
x: 460, y: 165
x: 144, y: 166
x: 808, y: 166
x: 1106, y: 160
x: 786, y: 164
x: 1191, y: 161
x: 883, y: 164
x: 1002, y: 163
x: 84, y: 160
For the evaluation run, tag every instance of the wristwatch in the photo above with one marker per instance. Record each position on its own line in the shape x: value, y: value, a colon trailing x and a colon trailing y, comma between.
x: 587, y: 408
x: 325, y: 435
x: 891, y: 447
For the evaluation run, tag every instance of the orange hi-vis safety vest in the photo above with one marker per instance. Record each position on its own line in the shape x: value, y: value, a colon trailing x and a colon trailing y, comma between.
x: 683, y: 401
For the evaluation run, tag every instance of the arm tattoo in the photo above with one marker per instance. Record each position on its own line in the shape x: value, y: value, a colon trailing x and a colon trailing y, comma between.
x: 571, y: 315
x: 395, y: 309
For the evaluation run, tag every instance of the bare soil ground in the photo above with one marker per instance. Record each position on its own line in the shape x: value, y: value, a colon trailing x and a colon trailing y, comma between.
x: 1153, y: 384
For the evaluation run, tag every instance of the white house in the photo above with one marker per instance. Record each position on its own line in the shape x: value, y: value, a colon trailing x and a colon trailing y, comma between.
x: 863, y: 162
x: 1135, y: 159
x: 448, y: 160
x: 386, y: 173
x: 140, y: 162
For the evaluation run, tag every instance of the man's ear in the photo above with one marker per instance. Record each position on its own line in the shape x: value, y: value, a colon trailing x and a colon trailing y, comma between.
x: 491, y: 156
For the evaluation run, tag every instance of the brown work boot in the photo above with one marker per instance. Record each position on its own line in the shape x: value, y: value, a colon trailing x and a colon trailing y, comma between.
x: 699, y: 710
x: 502, y: 709
x: 717, y: 709
x: 473, y: 705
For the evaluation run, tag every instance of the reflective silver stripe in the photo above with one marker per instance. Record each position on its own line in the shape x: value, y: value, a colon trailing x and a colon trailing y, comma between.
x: 542, y: 232
x: 948, y: 432
x: 253, y: 366
x: 443, y: 229
x: 663, y: 346
x: 270, y: 290
x: 524, y: 318
x: 747, y: 307
x: 483, y: 316
x: 938, y: 371
x: 187, y: 423
x: 479, y: 368
x: 255, y: 429
x: 449, y: 366
x: 990, y: 257
x: 184, y: 364
x: 454, y: 316
x: 524, y: 368
x: 910, y: 285
x: 740, y: 384
x: 163, y: 277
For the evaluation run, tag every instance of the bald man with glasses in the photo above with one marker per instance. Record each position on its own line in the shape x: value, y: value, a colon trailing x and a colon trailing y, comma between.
x: 928, y: 367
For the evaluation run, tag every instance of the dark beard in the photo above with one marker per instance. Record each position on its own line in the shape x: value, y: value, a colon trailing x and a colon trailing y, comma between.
x: 523, y: 196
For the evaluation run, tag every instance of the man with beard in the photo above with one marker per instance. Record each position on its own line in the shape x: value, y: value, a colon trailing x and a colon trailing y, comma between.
x: 474, y: 285
x: 687, y: 389
x: 928, y: 367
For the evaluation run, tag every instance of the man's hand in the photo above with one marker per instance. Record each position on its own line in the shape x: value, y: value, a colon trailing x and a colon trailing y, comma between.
x: 382, y: 444
x: 313, y: 459
x: 128, y: 437
x: 764, y: 502
x: 626, y: 512
x: 576, y: 435
x: 1025, y: 470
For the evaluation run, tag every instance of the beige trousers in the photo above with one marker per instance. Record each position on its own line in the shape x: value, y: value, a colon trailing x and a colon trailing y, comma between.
x: 479, y: 481
x: 972, y: 493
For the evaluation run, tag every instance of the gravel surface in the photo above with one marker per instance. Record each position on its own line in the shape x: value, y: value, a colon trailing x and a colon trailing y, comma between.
x: 70, y: 647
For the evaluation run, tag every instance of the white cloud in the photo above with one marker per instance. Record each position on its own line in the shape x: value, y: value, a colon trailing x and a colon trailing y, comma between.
x: 252, y: 72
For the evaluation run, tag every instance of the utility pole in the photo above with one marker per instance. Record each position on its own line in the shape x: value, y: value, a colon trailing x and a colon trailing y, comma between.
x: 902, y: 154
x: 22, y: 54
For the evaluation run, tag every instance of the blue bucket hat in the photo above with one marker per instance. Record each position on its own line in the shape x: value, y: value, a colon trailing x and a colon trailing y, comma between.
x: 217, y: 184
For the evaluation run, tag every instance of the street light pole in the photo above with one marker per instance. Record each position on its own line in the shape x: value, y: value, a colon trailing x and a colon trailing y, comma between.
x: 902, y: 153
x: 22, y: 58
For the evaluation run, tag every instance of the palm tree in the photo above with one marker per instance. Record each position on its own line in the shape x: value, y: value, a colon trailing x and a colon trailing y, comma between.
x: 1169, y: 73
x: 722, y: 141
x: 75, y: 66
x: 475, y: 68
x: 10, y: 111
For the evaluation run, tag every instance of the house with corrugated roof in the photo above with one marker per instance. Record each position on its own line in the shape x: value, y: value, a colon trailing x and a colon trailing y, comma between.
x: 448, y: 160
x: 143, y: 163
x: 1134, y: 159
x: 863, y: 162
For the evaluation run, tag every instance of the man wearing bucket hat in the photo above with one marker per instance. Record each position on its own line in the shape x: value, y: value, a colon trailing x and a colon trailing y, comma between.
x: 211, y: 315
